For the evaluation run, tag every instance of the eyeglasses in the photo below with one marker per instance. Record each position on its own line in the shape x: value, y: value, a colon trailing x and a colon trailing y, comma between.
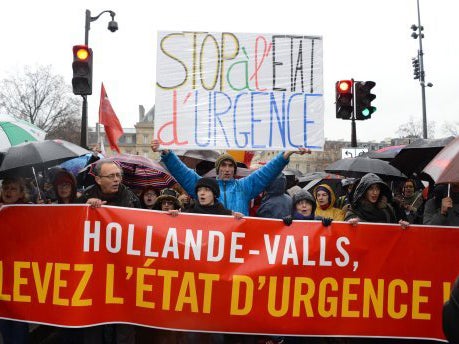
x: 113, y: 176
x: 167, y: 202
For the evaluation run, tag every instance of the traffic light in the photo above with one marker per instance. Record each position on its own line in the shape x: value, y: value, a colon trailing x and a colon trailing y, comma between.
x: 344, y: 101
x: 416, y: 69
x: 363, y: 99
x: 82, y: 70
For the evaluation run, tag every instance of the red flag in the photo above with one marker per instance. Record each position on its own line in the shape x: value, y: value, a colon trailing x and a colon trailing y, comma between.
x: 107, y: 117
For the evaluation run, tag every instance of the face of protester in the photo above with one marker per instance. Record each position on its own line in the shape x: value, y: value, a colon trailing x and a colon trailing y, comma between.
x: 109, y: 179
x: 149, y: 198
x: 322, y: 198
x: 205, y: 196
x: 304, y: 207
x: 167, y: 205
x: 64, y: 191
x: 372, y: 193
x: 408, y: 189
x: 11, y: 193
x: 226, y: 170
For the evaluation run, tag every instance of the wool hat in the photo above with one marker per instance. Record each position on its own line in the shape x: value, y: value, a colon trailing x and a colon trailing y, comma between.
x: 303, y: 195
x: 321, y: 187
x: 210, y: 183
x: 222, y: 158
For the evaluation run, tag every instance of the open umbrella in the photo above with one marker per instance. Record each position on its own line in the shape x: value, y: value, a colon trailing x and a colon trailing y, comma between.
x: 240, y: 173
x: 357, y: 167
x: 444, y: 167
x: 415, y: 156
x: 77, y: 164
x: 14, y: 131
x: 139, y: 172
x: 320, y: 175
x: 20, y: 159
x: 385, y: 153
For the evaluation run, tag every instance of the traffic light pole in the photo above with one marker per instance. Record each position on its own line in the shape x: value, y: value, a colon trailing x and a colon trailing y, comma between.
x: 84, y: 110
x: 422, y: 76
x: 353, y: 132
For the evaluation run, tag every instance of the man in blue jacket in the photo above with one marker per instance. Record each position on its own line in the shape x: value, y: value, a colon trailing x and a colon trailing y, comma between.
x: 235, y: 194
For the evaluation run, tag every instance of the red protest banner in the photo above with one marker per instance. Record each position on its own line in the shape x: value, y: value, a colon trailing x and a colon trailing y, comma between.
x: 77, y: 266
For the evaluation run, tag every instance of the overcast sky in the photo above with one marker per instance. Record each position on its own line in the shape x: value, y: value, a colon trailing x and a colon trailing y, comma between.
x: 364, y: 40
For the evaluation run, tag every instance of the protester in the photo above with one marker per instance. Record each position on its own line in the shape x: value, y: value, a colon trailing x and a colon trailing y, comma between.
x: 325, y: 199
x: 148, y: 197
x: 410, y: 202
x: 344, y: 202
x: 13, y: 192
x: 275, y: 204
x: 65, y: 189
x: 450, y: 316
x: 168, y: 200
x: 304, y: 208
x: 109, y: 190
x: 371, y: 203
x: 235, y: 194
x: 443, y: 208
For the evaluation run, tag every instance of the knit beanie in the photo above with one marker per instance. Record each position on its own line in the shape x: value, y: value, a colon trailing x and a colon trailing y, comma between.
x: 304, y: 195
x: 210, y: 183
x: 222, y: 158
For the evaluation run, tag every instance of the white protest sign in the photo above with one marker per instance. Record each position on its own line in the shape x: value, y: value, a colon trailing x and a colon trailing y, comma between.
x: 240, y: 91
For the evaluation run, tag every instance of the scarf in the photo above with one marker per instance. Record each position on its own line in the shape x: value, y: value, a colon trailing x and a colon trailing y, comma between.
x: 381, y: 212
x: 298, y: 216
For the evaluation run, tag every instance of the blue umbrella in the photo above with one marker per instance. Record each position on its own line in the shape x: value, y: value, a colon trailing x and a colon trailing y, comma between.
x: 77, y: 164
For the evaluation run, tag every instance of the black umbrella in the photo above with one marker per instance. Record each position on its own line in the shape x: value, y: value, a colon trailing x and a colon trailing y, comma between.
x: 385, y: 153
x: 415, y: 156
x: 20, y: 159
x: 357, y: 167
x: 193, y: 157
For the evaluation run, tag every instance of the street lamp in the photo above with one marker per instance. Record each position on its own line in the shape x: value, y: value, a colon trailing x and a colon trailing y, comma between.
x: 112, y: 26
x: 419, y: 73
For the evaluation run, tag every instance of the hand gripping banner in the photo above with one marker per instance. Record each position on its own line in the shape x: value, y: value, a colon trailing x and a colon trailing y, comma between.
x: 78, y: 266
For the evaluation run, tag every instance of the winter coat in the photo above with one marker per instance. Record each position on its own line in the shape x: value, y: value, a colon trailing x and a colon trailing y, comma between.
x: 215, y: 209
x: 432, y: 215
x: 275, y: 204
x: 330, y: 212
x: 381, y: 212
x: 123, y: 198
x: 235, y: 194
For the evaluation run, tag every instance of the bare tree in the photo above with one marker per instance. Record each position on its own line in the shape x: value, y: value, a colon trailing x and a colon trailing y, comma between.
x: 413, y: 129
x: 43, y: 99
x: 450, y: 128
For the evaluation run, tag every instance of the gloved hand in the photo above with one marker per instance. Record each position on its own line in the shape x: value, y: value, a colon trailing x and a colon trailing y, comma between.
x: 287, y: 220
x: 326, y: 221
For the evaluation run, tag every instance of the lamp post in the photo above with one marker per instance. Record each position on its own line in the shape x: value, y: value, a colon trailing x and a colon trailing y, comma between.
x: 420, y: 74
x: 112, y: 26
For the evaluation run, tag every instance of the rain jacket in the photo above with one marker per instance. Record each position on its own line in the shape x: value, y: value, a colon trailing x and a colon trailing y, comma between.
x: 331, y: 212
x: 275, y: 204
x: 381, y: 212
x: 235, y: 194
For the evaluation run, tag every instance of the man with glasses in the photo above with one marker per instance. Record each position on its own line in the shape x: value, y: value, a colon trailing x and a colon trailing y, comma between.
x: 109, y: 190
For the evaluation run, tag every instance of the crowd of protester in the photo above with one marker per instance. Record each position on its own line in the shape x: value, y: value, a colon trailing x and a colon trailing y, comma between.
x: 365, y: 199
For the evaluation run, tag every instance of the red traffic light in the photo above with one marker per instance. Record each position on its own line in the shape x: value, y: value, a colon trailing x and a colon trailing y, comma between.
x: 344, y: 86
x: 81, y: 52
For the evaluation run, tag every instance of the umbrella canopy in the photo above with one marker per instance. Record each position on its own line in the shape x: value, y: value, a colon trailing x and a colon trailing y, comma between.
x: 139, y: 172
x: 444, y: 167
x: 40, y: 154
x: 385, y: 153
x: 357, y: 167
x: 318, y: 175
x: 193, y: 157
x: 14, y: 131
x: 415, y: 156
x: 75, y: 165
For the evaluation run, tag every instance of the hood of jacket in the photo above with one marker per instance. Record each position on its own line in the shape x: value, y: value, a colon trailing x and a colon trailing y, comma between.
x: 303, y: 195
x: 331, y: 192
x: 366, y: 181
